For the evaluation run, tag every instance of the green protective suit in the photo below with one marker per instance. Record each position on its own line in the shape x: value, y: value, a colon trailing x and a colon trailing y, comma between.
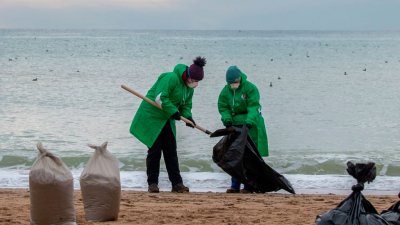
x: 173, y: 95
x: 242, y: 106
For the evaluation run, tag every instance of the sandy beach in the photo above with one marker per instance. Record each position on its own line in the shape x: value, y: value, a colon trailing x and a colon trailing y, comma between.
x: 197, y: 208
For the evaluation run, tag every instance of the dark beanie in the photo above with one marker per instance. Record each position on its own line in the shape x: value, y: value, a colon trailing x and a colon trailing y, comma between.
x: 232, y: 74
x: 196, y: 71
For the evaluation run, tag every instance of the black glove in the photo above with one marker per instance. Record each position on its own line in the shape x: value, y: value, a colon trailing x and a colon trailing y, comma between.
x: 228, y: 124
x: 176, y: 116
x: 190, y: 125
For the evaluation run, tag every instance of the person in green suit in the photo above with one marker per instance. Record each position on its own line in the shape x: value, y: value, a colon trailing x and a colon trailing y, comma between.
x: 156, y: 128
x: 239, y: 105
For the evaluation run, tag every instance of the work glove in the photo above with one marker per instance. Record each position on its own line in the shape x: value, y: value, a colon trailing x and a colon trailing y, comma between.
x: 228, y: 124
x: 176, y: 116
x: 190, y: 125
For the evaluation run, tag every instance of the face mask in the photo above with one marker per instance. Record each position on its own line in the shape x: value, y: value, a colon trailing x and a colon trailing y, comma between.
x: 193, y: 84
x: 234, y: 85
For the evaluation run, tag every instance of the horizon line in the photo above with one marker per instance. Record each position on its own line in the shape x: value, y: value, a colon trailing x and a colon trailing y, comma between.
x: 239, y: 30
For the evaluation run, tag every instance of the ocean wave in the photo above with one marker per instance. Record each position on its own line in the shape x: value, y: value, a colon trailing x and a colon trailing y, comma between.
x: 291, y: 165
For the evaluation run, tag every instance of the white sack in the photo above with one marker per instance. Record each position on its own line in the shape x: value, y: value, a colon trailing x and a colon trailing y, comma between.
x: 101, y: 185
x: 51, y: 191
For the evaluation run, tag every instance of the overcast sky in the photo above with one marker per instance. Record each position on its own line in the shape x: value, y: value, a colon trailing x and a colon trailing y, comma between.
x: 202, y: 15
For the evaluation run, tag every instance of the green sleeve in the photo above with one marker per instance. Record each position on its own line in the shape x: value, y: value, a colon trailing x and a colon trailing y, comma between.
x: 167, y: 86
x: 253, y: 105
x: 223, y: 107
x: 186, y: 108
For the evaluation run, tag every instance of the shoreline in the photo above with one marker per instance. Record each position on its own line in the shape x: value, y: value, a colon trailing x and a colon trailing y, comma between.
x: 219, y: 182
x: 310, y: 192
x: 139, y: 207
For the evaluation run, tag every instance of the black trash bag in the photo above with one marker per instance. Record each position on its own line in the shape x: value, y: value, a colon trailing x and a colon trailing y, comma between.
x: 238, y: 156
x: 355, y: 209
x: 392, y: 214
x: 363, y: 172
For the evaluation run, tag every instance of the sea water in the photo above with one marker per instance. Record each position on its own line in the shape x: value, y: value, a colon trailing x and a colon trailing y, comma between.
x: 327, y: 98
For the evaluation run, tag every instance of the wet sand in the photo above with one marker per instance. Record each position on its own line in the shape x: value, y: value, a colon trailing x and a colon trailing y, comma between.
x: 197, y: 208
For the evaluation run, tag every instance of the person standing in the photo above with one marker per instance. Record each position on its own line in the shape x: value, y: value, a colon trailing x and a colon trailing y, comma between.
x: 239, y: 105
x: 156, y: 128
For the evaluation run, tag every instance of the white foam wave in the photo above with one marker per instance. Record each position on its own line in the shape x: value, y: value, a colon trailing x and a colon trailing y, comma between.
x: 219, y: 182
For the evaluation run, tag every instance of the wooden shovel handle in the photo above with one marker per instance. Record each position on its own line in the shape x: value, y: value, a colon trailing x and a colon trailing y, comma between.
x: 159, y: 106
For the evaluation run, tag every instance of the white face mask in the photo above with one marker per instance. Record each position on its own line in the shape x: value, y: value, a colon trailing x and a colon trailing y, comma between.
x: 193, y: 84
x: 235, y: 85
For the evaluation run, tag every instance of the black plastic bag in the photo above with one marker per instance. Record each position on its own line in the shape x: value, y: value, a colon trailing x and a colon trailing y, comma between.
x: 392, y: 215
x: 238, y: 156
x: 355, y: 209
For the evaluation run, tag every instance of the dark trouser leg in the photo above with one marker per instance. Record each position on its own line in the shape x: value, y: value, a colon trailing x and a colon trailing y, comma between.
x: 170, y: 155
x: 235, y: 184
x: 153, y: 161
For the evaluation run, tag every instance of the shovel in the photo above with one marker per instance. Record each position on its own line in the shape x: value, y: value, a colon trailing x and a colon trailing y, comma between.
x: 159, y: 106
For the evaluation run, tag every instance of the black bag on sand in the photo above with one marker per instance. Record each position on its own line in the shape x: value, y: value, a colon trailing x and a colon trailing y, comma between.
x: 238, y: 156
x: 392, y: 214
x: 355, y: 209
